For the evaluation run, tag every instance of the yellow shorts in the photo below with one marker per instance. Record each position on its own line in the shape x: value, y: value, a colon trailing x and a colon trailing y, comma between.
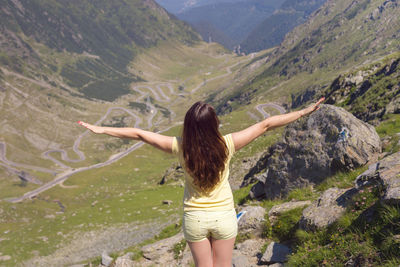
x: 198, y: 225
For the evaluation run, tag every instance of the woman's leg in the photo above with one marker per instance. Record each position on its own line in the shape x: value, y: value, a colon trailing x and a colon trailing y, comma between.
x: 202, y: 253
x: 222, y: 252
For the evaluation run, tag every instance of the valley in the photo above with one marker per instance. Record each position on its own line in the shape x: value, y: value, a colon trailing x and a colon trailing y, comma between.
x: 158, y: 106
x: 67, y: 195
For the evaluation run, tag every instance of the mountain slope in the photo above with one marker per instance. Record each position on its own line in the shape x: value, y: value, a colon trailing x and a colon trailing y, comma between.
x: 110, y: 32
x: 339, y: 36
x: 273, y: 29
x: 235, y: 20
x: 179, y: 6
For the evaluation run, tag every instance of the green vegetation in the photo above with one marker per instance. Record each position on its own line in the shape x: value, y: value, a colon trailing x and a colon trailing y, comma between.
x: 340, y: 180
x: 142, y: 107
x: 108, y: 35
x: 390, y: 128
x: 179, y: 248
x: 367, y: 234
x: 166, y: 113
x: 286, y: 225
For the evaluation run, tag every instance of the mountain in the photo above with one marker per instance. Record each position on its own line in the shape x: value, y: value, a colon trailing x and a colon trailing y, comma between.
x: 107, y: 33
x: 340, y: 36
x: 273, y: 29
x: 179, y: 6
x: 235, y: 20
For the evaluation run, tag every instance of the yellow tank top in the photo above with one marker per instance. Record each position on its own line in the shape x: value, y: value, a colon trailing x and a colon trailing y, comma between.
x: 220, y: 198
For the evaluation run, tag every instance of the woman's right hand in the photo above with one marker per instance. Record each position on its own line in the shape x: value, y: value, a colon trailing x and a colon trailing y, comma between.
x: 93, y: 128
x: 312, y: 108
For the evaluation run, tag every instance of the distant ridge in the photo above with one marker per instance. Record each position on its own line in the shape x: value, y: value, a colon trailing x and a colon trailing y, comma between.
x: 109, y: 33
x: 273, y: 29
x: 233, y: 20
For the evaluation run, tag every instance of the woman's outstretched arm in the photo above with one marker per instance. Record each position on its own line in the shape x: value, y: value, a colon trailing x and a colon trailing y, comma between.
x: 159, y: 141
x: 246, y: 136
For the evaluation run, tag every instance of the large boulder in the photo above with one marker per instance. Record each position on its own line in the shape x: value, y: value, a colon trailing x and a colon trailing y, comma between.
x: 385, y: 172
x: 313, y: 148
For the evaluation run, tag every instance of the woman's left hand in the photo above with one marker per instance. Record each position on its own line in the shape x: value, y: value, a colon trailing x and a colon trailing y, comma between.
x: 93, y: 128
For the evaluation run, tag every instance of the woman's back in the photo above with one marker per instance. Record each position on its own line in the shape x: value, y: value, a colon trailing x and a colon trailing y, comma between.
x: 220, y: 196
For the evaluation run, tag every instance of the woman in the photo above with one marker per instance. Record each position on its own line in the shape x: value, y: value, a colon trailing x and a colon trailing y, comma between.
x: 209, y: 220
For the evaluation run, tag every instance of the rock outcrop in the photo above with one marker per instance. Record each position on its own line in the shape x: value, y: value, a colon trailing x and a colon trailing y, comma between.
x: 173, y: 174
x: 385, y: 172
x: 157, y: 252
x: 328, y: 141
x: 328, y: 208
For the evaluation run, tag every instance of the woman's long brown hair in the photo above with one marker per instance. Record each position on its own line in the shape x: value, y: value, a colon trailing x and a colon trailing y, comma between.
x: 204, y: 149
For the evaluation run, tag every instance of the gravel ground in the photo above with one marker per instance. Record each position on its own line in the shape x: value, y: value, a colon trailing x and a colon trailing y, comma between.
x: 85, y: 245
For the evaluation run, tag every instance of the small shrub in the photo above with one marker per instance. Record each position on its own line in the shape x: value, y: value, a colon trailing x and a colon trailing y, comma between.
x: 286, y: 225
x: 179, y: 248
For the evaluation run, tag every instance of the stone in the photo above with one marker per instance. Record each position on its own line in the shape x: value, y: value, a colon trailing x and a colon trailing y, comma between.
x: 329, y: 207
x: 250, y: 247
x: 159, y: 251
x: 281, y: 208
x: 386, y: 173
x: 257, y: 191
x: 128, y: 256
x: 5, y: 258
x: 167, y: 202
x: 313, y: 148
x: 123, y: 262
x: 274, y: 253
x: 105, y: 259
x: 240, y: 261
x: 252, y: 221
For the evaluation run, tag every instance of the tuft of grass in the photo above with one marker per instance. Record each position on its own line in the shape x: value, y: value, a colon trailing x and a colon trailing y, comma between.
x: 241, y: 237
x: 286, y: 225
x: 300, y: 194
x: 179, y: 248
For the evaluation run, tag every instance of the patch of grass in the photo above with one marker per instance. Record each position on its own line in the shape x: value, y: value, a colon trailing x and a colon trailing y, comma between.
x: 389, y: 129
x: 241, y: 196
x: 365, y: 235
x: 241, y: 237
x: 340, y: 180
x: 300, y: 194
x: 286, y: 225
x: 169, y: 231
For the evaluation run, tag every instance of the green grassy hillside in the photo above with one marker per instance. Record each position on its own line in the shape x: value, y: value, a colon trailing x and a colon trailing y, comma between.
x: 338, y: 37
x: 108, y: 34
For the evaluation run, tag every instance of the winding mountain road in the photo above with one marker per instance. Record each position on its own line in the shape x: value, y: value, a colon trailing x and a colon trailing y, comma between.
x: 158, y: 94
